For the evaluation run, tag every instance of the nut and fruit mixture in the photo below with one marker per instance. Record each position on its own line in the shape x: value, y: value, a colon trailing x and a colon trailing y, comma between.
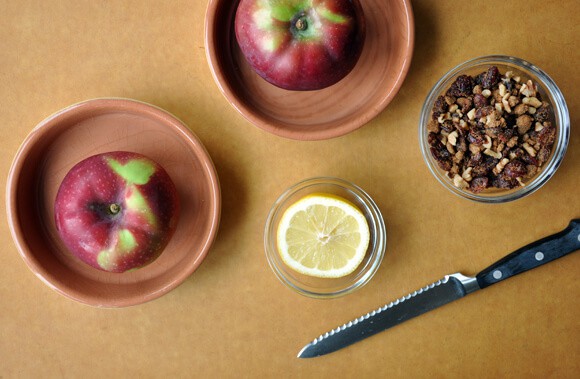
x: 491, y: 130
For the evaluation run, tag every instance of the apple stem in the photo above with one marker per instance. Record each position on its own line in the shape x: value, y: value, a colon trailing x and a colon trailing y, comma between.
x: 301, y: 24
x: 114, y: 208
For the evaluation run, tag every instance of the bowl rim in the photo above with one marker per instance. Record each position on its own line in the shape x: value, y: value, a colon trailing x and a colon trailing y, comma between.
x: 562, y: 123
x: 18, y: 232
x: 378, y: 228
x: 278, y: 127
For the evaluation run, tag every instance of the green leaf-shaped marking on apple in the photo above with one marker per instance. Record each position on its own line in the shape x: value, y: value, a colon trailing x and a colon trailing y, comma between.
x: 301, y: 44
x: 116, y: 211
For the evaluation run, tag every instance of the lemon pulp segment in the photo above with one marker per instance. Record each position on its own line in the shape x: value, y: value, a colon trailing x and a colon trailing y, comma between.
x: 323, y: 235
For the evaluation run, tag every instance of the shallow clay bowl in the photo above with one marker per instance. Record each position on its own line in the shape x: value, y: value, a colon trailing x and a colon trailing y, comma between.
x: 98, y: 126
x: 326, y: 113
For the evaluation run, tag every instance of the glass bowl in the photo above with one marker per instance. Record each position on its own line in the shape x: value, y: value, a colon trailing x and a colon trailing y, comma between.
x: 324, y: 288
x: 548, y: 91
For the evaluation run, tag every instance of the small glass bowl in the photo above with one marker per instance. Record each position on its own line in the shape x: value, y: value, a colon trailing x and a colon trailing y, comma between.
x: 549, y: 92
x: 325, y: 288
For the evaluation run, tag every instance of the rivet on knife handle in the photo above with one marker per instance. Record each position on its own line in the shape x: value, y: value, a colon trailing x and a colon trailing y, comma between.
x: 446, y: 290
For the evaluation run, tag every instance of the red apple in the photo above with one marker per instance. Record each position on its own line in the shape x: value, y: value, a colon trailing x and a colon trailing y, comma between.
x: 116, y: 211
x: 301, y: 44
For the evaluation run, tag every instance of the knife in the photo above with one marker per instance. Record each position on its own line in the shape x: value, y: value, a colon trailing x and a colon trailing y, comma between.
x: 446, y: 290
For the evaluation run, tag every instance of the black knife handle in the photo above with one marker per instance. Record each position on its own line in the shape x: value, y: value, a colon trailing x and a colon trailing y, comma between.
x: 533, y: 255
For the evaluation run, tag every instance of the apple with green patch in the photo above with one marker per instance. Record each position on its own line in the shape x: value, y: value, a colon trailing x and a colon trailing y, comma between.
x: 301, y: 44
x: 116, y: 211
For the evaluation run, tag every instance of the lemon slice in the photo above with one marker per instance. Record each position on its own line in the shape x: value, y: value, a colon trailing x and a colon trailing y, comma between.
x: 323, y: 235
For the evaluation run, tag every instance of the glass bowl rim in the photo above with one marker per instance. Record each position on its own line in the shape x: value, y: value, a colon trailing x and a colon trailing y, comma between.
x: 377, y: 225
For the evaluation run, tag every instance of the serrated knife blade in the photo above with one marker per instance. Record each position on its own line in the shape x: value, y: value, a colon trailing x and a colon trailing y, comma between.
x: 444, y: 291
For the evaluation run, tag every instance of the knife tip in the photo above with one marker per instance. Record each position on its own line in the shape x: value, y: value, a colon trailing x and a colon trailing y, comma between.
x: 307, y: 352
x: 310, y: 351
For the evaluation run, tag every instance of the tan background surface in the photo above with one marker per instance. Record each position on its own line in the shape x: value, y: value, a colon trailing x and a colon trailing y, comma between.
x: 232, y: 318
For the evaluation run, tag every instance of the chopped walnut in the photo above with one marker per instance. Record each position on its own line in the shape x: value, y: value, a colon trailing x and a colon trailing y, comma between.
x: 474, y: 149
x: 453, y: 171
x: 492, y: 153
x: 450, y: 148
x: 532, y: 101
x: 520, y: 109
x: 512, y: 142
x: 500, y: 165
x: 471, y: 114
x: 513, y: 101
x: 488, y: 142
x: 524, y: 123
x: 467, y: 174
x: 506, y: 104
x: 529, y: 149
x: 497, y: 96
x: 459, y: 182
x: 502, y: 90
x: 528, y: 89
x: 452, y: 138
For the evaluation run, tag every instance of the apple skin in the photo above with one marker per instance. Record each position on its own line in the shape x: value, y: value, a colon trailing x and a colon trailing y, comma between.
x: 301, y: 45
x: 116, y: 211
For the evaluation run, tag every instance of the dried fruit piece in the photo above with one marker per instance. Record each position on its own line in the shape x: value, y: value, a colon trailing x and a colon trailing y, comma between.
x: 515, y: 169
x: 490, y: 78
x: 462, y: 86
x: 504, y: 182
x: 439, y: 107
x: 442, y: 156
x: 479, y: 100
x: 543, y: 112
x: 547, y: 135
x: 479, y: 184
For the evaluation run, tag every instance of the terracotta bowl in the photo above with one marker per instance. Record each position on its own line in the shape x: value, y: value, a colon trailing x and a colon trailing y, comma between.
x: 326, y: 113
x: 98, y: 126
